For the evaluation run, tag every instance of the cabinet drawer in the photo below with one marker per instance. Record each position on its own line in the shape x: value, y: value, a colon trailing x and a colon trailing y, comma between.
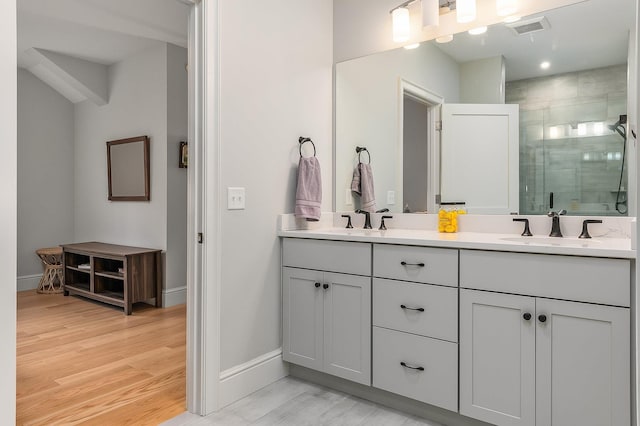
x: 582, y: 279
x: 419, y: 264
x: 440, y: 304
x: 334, y: 256
x: 437, y: 384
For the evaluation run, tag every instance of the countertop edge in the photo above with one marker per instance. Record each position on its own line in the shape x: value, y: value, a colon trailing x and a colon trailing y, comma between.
x: 492, y: 244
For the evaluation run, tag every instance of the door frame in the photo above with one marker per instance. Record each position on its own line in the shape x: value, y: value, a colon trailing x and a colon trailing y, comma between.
x: 203, y: 214
x: 434, y: 103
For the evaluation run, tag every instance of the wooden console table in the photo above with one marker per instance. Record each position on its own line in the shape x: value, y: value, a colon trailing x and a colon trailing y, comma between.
x: 114, y: 274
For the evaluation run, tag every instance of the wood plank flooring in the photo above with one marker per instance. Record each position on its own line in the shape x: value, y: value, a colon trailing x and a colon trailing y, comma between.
x: 82, y: 362
x: 293, y: 402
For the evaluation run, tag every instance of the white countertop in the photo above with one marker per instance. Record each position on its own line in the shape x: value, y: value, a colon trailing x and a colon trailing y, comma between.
x: 595, y: 247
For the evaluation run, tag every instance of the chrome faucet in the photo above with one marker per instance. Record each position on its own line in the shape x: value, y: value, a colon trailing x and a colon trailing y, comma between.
x: 367, y: 218
x: 555, y: 222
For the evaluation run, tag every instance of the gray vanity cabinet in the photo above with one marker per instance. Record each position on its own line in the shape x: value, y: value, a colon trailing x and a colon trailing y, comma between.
x: 327, y: 313
x: 538, y: 361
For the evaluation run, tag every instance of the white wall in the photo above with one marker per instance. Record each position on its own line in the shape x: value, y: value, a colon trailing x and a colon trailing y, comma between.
x: 45, y: 172
x: 137, y: 106
x: 8, y: 225
x: 275, y: 85
x: 483, y: 81
x: 367, y: 104
x: 177, y: 127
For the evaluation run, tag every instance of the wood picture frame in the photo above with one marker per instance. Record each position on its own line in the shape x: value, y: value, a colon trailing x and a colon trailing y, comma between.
x: 128, y: 169
x: 183, y: 161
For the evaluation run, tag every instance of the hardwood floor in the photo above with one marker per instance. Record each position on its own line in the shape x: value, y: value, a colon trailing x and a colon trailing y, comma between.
x: 81, y: 362
x: 294, y: 402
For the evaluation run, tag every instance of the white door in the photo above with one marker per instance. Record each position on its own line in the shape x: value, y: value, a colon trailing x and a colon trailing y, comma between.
x: 485, y: 139
x: 497, y: 358
x: 582, y: 364
x: 302, y: 317
x: 347, y: 327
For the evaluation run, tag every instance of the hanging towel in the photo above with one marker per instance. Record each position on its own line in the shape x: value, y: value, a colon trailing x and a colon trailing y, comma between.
x: 309, y: 190
x: 362, y: 184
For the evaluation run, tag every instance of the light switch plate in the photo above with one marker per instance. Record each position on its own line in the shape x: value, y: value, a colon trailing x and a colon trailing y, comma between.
x: 391, y: 197
x: 235, y: 198
x: 348, y: 198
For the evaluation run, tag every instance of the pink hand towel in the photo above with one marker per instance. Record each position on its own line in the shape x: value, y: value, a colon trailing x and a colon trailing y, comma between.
x: 309, y: 190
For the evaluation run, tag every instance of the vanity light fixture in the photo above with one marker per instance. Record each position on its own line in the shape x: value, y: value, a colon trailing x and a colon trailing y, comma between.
x: 430, y: 13
x: 477, y: 31
x: 444, y: 39
x: 401, y: 25
x: 506, y: 7
x: 465, y: 11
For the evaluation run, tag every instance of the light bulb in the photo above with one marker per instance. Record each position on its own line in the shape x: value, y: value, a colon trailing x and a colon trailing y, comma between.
x: 506, y: 7
x: 430, y: 13
x: 400, y: 21
x: 479, y: 30
x: 465, y: 11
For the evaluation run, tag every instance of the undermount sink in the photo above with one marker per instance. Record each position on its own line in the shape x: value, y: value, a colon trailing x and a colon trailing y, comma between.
x: 554, y: 241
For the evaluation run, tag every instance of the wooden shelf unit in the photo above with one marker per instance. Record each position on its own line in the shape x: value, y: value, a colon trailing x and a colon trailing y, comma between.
x: 139, y: 281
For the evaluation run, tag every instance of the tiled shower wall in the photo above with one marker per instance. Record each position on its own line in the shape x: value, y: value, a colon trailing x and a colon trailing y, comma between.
x: 565, y: 144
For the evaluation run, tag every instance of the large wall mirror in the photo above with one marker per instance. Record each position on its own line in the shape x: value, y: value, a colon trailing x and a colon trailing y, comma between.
x: 570, y: 143
x: 128, y: 169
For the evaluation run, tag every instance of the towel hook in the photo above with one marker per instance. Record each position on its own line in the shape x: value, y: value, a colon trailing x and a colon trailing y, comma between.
x: 302, y: 140
x: 359, y: 150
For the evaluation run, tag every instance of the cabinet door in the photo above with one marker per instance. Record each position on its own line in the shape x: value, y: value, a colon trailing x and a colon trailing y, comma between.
x: 582, y: 364
x: 497, y: 357
x: 347, y: 327
x: 302, y: 317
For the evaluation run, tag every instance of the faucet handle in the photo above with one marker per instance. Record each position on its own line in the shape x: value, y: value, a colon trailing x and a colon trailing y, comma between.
x: 526, y: 232
x: 349, y: 225
x: 585, y: 231
x: 382, y: 225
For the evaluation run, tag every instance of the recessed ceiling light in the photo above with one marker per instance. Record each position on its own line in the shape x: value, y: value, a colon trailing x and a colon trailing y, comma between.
x: 445, y: 39
x: 479, y: 30
x: 545, y: 65
x: 412, y: 46
x: 511, y: 19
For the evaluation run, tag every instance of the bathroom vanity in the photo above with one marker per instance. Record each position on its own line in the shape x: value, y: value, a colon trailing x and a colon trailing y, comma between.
x: 506, y: 332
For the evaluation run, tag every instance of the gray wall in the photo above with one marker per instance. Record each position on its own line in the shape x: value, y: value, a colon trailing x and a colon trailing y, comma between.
x: 45, y: 171
x: 137, y: 106
x: 177, y: 126
x: 415, y: 166
x: 276, y: 85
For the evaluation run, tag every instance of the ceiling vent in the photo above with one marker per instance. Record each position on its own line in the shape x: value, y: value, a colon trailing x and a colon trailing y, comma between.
x: 529, y: 26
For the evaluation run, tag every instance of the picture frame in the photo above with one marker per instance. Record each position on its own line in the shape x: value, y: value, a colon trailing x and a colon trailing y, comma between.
x: 128, y: 169
x: 183, y: 161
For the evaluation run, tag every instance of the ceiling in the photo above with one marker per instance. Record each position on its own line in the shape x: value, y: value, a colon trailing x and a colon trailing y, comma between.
x: 586, y: 35
x: 101, y: 31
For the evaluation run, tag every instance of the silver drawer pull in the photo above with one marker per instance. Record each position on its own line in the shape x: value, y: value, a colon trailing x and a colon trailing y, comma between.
x: 421, y: 264
x: 405, y: 365
x: 412, y: 309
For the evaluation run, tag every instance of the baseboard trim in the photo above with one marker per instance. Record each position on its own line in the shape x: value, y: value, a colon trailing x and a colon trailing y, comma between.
x: 244, y: 379
x: 174, y: 296
x: 28, y: 282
